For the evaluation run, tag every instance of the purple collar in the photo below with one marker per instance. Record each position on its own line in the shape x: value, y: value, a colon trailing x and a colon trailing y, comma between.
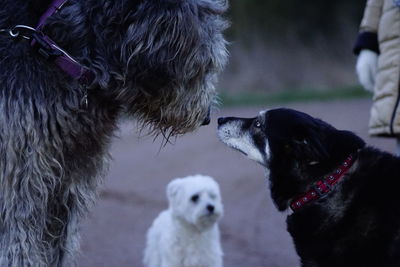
x: 51, y: 51
x: 55, y: 6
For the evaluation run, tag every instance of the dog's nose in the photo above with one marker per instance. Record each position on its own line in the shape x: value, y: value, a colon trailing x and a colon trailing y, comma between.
x: 222, y: 120
x: 207, y: 119
x: 210, y: 208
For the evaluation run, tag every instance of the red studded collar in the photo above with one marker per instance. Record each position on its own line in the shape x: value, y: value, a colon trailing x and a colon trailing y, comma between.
x: 323, y: 186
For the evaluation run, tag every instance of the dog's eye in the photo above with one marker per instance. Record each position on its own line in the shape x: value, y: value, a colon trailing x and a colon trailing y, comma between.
x: 257, y: 124
x: 194, y: 198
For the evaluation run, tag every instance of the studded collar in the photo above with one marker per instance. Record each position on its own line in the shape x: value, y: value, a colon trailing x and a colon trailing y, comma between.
x: 323, y: 186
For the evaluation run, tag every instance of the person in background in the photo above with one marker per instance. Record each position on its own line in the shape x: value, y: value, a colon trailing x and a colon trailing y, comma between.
x: 378, y: 65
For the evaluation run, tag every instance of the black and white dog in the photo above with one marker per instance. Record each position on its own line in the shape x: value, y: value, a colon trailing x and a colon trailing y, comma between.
x: 345, y: 195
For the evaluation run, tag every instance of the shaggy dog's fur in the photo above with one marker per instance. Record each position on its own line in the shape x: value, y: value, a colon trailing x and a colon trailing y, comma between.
x: 154, y: 60
x: 357, y: 224
x: 186, y: 234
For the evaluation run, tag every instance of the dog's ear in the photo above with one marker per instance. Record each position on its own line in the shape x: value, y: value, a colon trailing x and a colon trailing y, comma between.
x: 173, y: 189
x: 309, y: 148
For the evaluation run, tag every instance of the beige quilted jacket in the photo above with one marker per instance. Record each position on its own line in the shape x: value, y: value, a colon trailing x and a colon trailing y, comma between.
x: 380, y: 32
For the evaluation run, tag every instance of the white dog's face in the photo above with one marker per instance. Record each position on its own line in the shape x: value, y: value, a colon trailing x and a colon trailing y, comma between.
x: 196, y: 200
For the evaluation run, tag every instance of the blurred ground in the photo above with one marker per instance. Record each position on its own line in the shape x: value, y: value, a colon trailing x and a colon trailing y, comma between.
x: 253, y: 232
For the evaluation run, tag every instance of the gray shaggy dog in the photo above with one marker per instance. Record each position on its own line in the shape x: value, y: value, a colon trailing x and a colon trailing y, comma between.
x: 154, y: 60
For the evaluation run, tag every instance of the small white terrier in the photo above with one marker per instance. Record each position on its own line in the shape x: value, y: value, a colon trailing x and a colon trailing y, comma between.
x: 187, y: 234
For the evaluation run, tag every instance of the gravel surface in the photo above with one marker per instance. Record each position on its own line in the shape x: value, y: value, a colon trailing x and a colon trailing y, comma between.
x: 253, y: 232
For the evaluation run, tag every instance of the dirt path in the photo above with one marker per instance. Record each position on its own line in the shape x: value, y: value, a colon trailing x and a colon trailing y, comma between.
x: 253, y: 232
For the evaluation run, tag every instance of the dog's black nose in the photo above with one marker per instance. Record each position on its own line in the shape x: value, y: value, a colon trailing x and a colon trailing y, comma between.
x: 210, y: 208
x: 222, y: 120
x: 207, y: 119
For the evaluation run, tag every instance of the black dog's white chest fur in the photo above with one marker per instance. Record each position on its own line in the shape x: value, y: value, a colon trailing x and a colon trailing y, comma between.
x: 357, y: 224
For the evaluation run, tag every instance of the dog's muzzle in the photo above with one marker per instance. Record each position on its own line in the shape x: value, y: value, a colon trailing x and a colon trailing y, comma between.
x: 224, y: 120
x: 207, y: 119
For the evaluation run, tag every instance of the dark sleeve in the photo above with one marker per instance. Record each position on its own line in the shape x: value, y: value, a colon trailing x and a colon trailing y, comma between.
x: 366, y: 40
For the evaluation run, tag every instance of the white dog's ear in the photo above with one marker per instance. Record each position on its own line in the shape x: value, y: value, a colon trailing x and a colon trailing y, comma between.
x: 173, y: 189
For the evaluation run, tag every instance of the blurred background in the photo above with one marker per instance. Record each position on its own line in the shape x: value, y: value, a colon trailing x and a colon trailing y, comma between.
x: 296, y: 54
x: 280, y: 46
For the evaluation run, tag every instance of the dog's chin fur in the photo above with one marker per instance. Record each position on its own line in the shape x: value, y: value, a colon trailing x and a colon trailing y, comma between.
x: 357, y: 223
x: 154, y: 60
x: 207, y: 221
x: 187, y: 234
x: 174, y: 114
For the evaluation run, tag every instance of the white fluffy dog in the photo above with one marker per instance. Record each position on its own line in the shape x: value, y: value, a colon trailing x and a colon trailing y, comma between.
x: 187, y: 234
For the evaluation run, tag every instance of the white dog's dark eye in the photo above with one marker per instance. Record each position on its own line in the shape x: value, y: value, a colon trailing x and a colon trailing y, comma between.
x: 257, y: 124
x: 194, y: 198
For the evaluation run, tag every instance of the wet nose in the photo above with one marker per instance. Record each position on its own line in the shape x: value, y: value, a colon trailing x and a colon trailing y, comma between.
x: 210, y: 208
x: 207, y: 119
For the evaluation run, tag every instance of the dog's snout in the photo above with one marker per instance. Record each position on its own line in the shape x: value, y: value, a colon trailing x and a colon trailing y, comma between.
x: 210, y: 208
x: 222, y: 120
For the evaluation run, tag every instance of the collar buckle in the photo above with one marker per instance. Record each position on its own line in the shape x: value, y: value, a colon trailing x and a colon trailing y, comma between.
x: 322, y: 187
x: 44, y: 48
